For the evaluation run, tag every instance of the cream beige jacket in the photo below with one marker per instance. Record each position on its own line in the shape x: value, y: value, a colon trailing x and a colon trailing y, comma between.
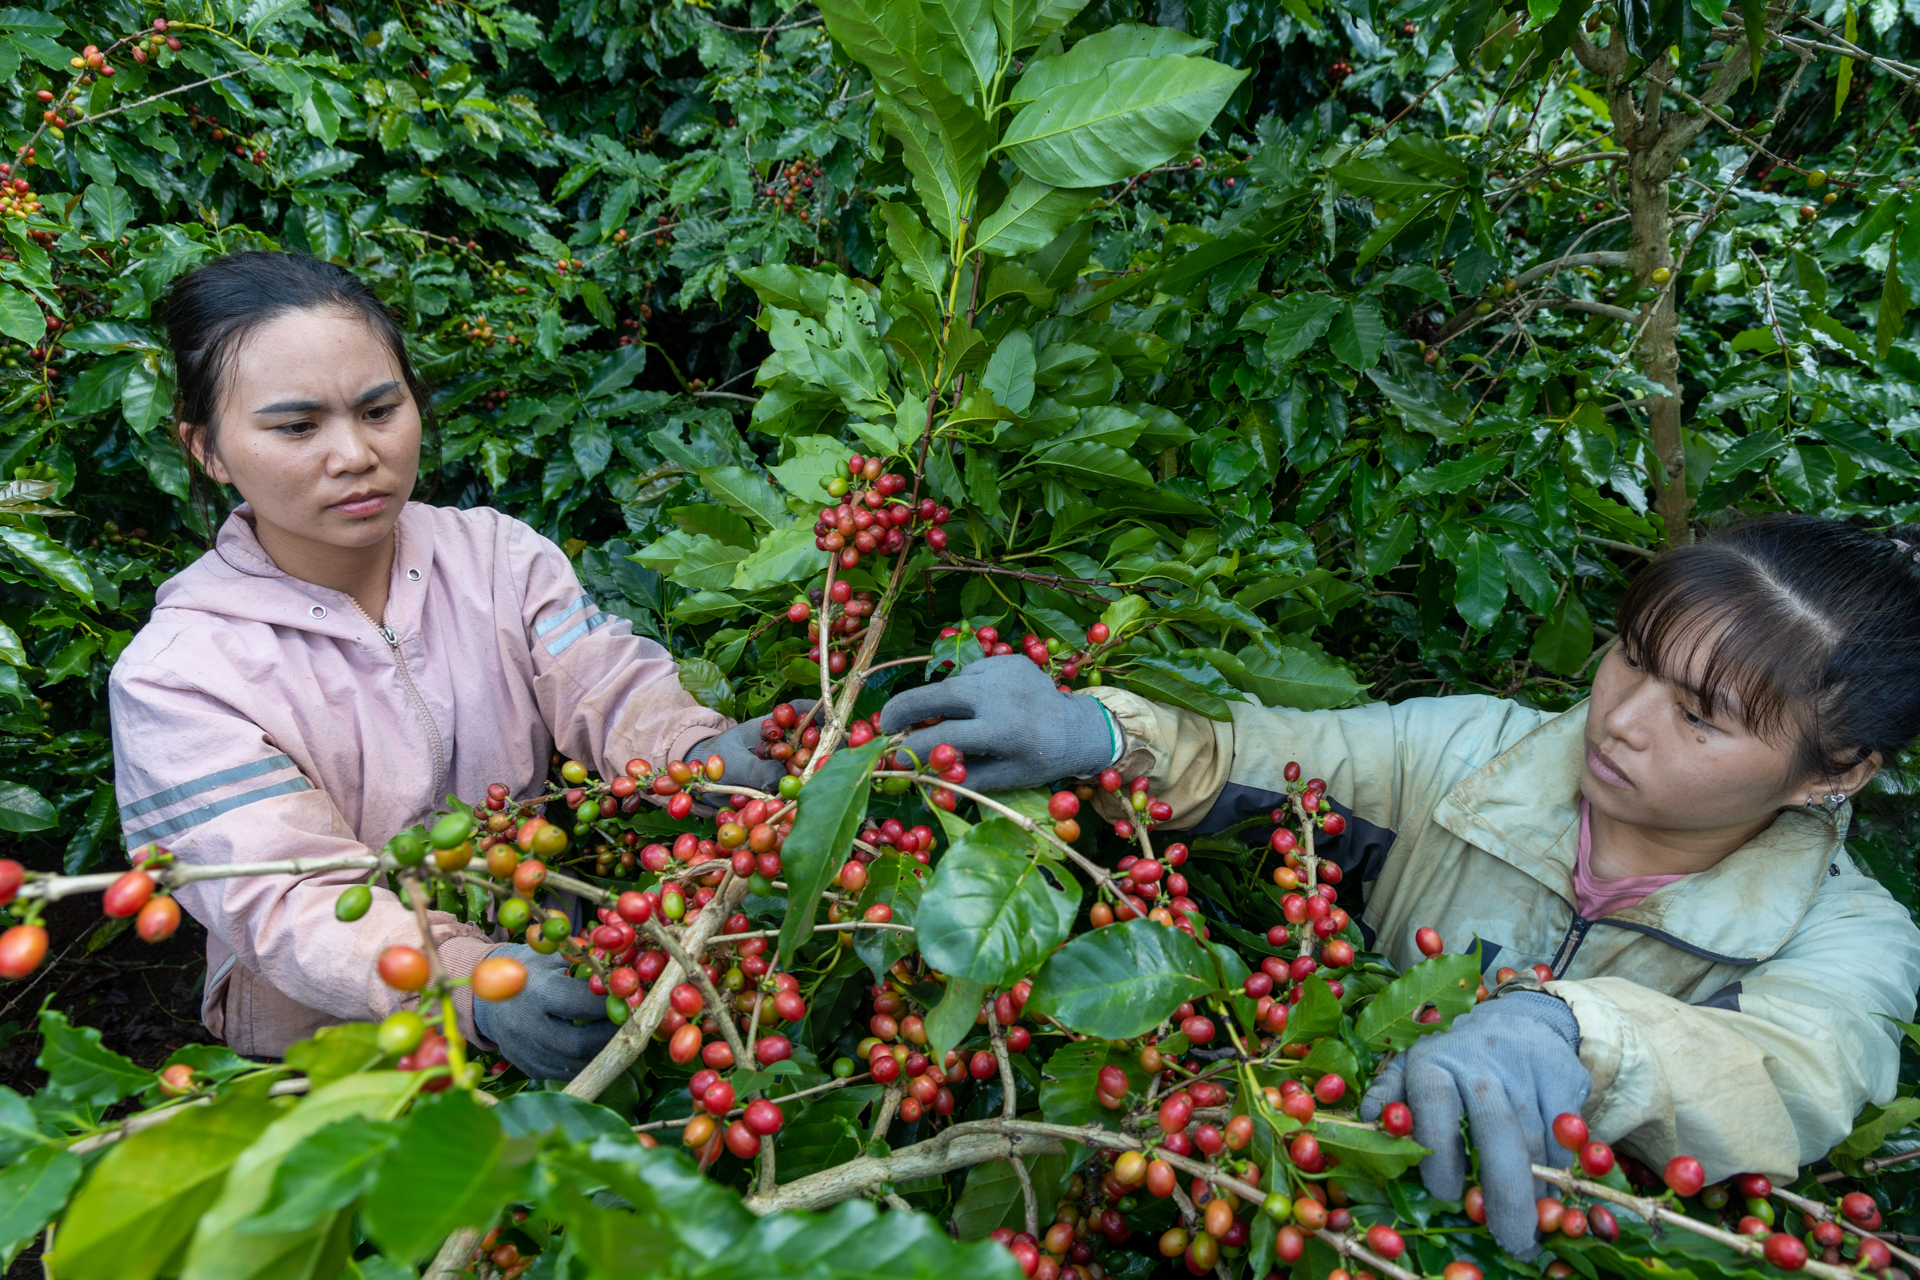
x: 1741, y: 1015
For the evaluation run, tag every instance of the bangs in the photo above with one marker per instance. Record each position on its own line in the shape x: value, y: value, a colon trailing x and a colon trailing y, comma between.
x: 1722, y: 628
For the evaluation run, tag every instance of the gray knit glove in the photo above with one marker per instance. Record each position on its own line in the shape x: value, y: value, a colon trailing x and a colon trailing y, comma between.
x: 740, y: 747
x: 1012, y: 723
x: 535, y: 1028
x: 1511, y: 1065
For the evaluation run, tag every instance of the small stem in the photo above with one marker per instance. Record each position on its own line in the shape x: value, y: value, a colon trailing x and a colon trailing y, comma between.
x: 889, y: 1104
x: 697, y: 974
x: 449, y: 1025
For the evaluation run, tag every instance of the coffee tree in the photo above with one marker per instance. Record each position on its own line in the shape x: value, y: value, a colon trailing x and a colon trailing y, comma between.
x: 1267, y: 352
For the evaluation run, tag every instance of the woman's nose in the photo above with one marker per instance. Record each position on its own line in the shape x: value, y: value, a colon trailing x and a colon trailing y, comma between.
x: 352, y: 452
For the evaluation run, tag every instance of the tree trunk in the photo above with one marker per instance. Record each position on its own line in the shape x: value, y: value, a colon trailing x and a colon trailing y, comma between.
x: 1650, y: 248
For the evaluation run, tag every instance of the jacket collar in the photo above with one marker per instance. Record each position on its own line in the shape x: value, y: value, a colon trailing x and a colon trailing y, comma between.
x: 255, y: 589
x: 1523, y: 808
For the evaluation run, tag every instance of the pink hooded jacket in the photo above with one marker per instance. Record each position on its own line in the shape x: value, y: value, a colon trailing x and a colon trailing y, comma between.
x: 257, y: 716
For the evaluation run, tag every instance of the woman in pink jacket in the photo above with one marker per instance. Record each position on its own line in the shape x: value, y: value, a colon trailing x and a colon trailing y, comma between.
x: 342, y: 659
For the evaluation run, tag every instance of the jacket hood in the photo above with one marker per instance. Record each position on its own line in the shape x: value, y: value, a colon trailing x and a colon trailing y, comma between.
x: 1523, y: 808
x: 238, y: 581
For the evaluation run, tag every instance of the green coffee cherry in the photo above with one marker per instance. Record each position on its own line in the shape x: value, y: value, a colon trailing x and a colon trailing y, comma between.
x: 401, y: 1033
x: 617, y: 1010
x: 353, y: 902
x: 789, y: 787
x: 453, y: 829
x: 759, y: 885
x: 556, y: 928
x: 514, y: 915
x: 842, y: 1068
x: 408, y: 849
x: 1278, y: 1206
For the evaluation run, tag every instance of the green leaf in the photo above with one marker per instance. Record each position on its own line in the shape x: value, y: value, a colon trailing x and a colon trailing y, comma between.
x: 1088, y: 462
x: 79, y: 1070
x: 1121, y: 981
x: 1359, y: 335
x: 336, y: 1052
x: 1094, y: 54
x: 109, y: 209
x: 20, y: 316
x: 24, y: 809
x: 1369, y: 1152
x: 32, y: 1191
x: 1848, y: 339
x: 140, y: 1203
x: 1137, y: 113
x: 1446, y: 981
x: 786, y: 556
x: 616, y: 372
x: 1381, y: 179
x: 1316, y: 1015
x: 1876, y: 1124
x: 989, y: 913
x: 1894, y: 302
x: 327, y: 1170
x: 1073, y: 1076
x: 1164, y: 686
x: 222, y: 1250
x: 50, y: 558
x: 443, y: 1172
x: 917, y: 249
x: 1287, y: 677
x: 1753, y: 13
x: 831, y: 808
x: 1451, y: 476
x: 1480, y: 592
x: 1030, y: 215
x: 711, y: 520
x: 1565, y: 641
x: 1009, y: 375
x: 950, y: 1021
x: 993, y: 1196
x: 1302, y: 318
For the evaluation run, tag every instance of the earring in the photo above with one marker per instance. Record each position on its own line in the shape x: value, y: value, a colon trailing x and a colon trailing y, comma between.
x: 1831, y: 802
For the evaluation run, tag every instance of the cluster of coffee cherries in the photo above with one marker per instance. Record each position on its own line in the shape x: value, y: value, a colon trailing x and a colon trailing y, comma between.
x: 417, y: 1035
x: 1063, y: 662
x: 791, y: 182
x: 868, y: 520
x: 846, y: 628
x: 1066, y: 1250
x: 222, y: 134
x: 716, y: 1120
x: 895, y: 1047
x: 1311, y: 796
x: 155, y: 915
x: 1149, y: 812
x: 16, y: 195
x: 506, y: 1256
x: 790, y: 736
x: 479, y: 329
x: 156, y: 40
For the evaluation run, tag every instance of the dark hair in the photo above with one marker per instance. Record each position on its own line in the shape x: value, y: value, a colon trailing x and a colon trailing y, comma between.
x: 1813, y: 630
x: 211, y: 310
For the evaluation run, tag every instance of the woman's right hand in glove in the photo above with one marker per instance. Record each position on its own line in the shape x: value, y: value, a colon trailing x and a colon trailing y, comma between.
x: 535, y: 1029
x: 1011, y: 721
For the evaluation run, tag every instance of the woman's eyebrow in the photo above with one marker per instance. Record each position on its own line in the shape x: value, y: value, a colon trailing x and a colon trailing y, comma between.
x: 367, y: 397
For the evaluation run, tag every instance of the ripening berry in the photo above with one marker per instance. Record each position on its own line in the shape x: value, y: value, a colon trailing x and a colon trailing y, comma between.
x: 1570, y: 1131
x: 1596, y: 1159
x: 1397, y: 1119
x: 1684, y: 1175
x: 403, y: 968
x: 1428, y: 940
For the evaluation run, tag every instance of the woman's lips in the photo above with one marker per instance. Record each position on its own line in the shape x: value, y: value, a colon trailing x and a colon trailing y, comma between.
x: 360, y: 505
x: 1602, y: 767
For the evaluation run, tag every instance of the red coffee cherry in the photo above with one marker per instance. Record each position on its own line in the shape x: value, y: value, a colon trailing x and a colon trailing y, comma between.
x: 1570, y: 1131
x: 763, y: 1117
x: 1785, y: 1251
x: 1428, y: 940
x: 158, y: 919
x: 1684, y: 1175
x: 1596, y: 1159
x: 12, y: 876
x: 125, y: 896
x: 404, y: 968
x: 22, y: 948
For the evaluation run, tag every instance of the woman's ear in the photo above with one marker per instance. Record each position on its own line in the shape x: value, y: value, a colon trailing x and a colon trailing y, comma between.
x: 1854, y: 780
x: 193, y: 438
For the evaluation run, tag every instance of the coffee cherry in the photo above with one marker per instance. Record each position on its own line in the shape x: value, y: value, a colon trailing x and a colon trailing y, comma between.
x: 404, y: 968
x: 22, y: 948
x: 1460, y: 1271
x: 1784, y: 1251
x: 401, y: 1033
x: 1385, y: 1241
x: 1756, y: 1185
x: 176, y: 1081
x: 1684, y: 1175
x: 1858, y: 1206
x: 1603, y: 1225
x: 498, y: 978
x: 1397, y: 1119
x: 1570, y: 1131
x: 158, y: 919
x: 1329, y: 1089
x: 1596, y: 1159
x: 125, y: 896
x: 1428, y: 940
x: 12, y: 876
x: 1474, y: 1205
x: 771, y: 1049
x: 1873, y: 1254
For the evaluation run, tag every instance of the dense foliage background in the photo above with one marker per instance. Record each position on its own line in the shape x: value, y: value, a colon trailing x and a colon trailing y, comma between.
x: 1385, y: 392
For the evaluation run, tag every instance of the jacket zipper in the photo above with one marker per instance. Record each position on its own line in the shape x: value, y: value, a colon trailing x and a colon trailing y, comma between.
x: 419, y: 703
x: 1570, y: 945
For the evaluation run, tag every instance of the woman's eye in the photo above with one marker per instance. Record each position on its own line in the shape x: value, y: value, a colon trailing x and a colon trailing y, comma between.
x: 298, y: 429
x: 1694, y: 720
x: 381, y: 412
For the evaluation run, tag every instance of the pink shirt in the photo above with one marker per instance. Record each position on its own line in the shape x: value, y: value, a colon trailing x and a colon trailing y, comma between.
x: 1594, y: 897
